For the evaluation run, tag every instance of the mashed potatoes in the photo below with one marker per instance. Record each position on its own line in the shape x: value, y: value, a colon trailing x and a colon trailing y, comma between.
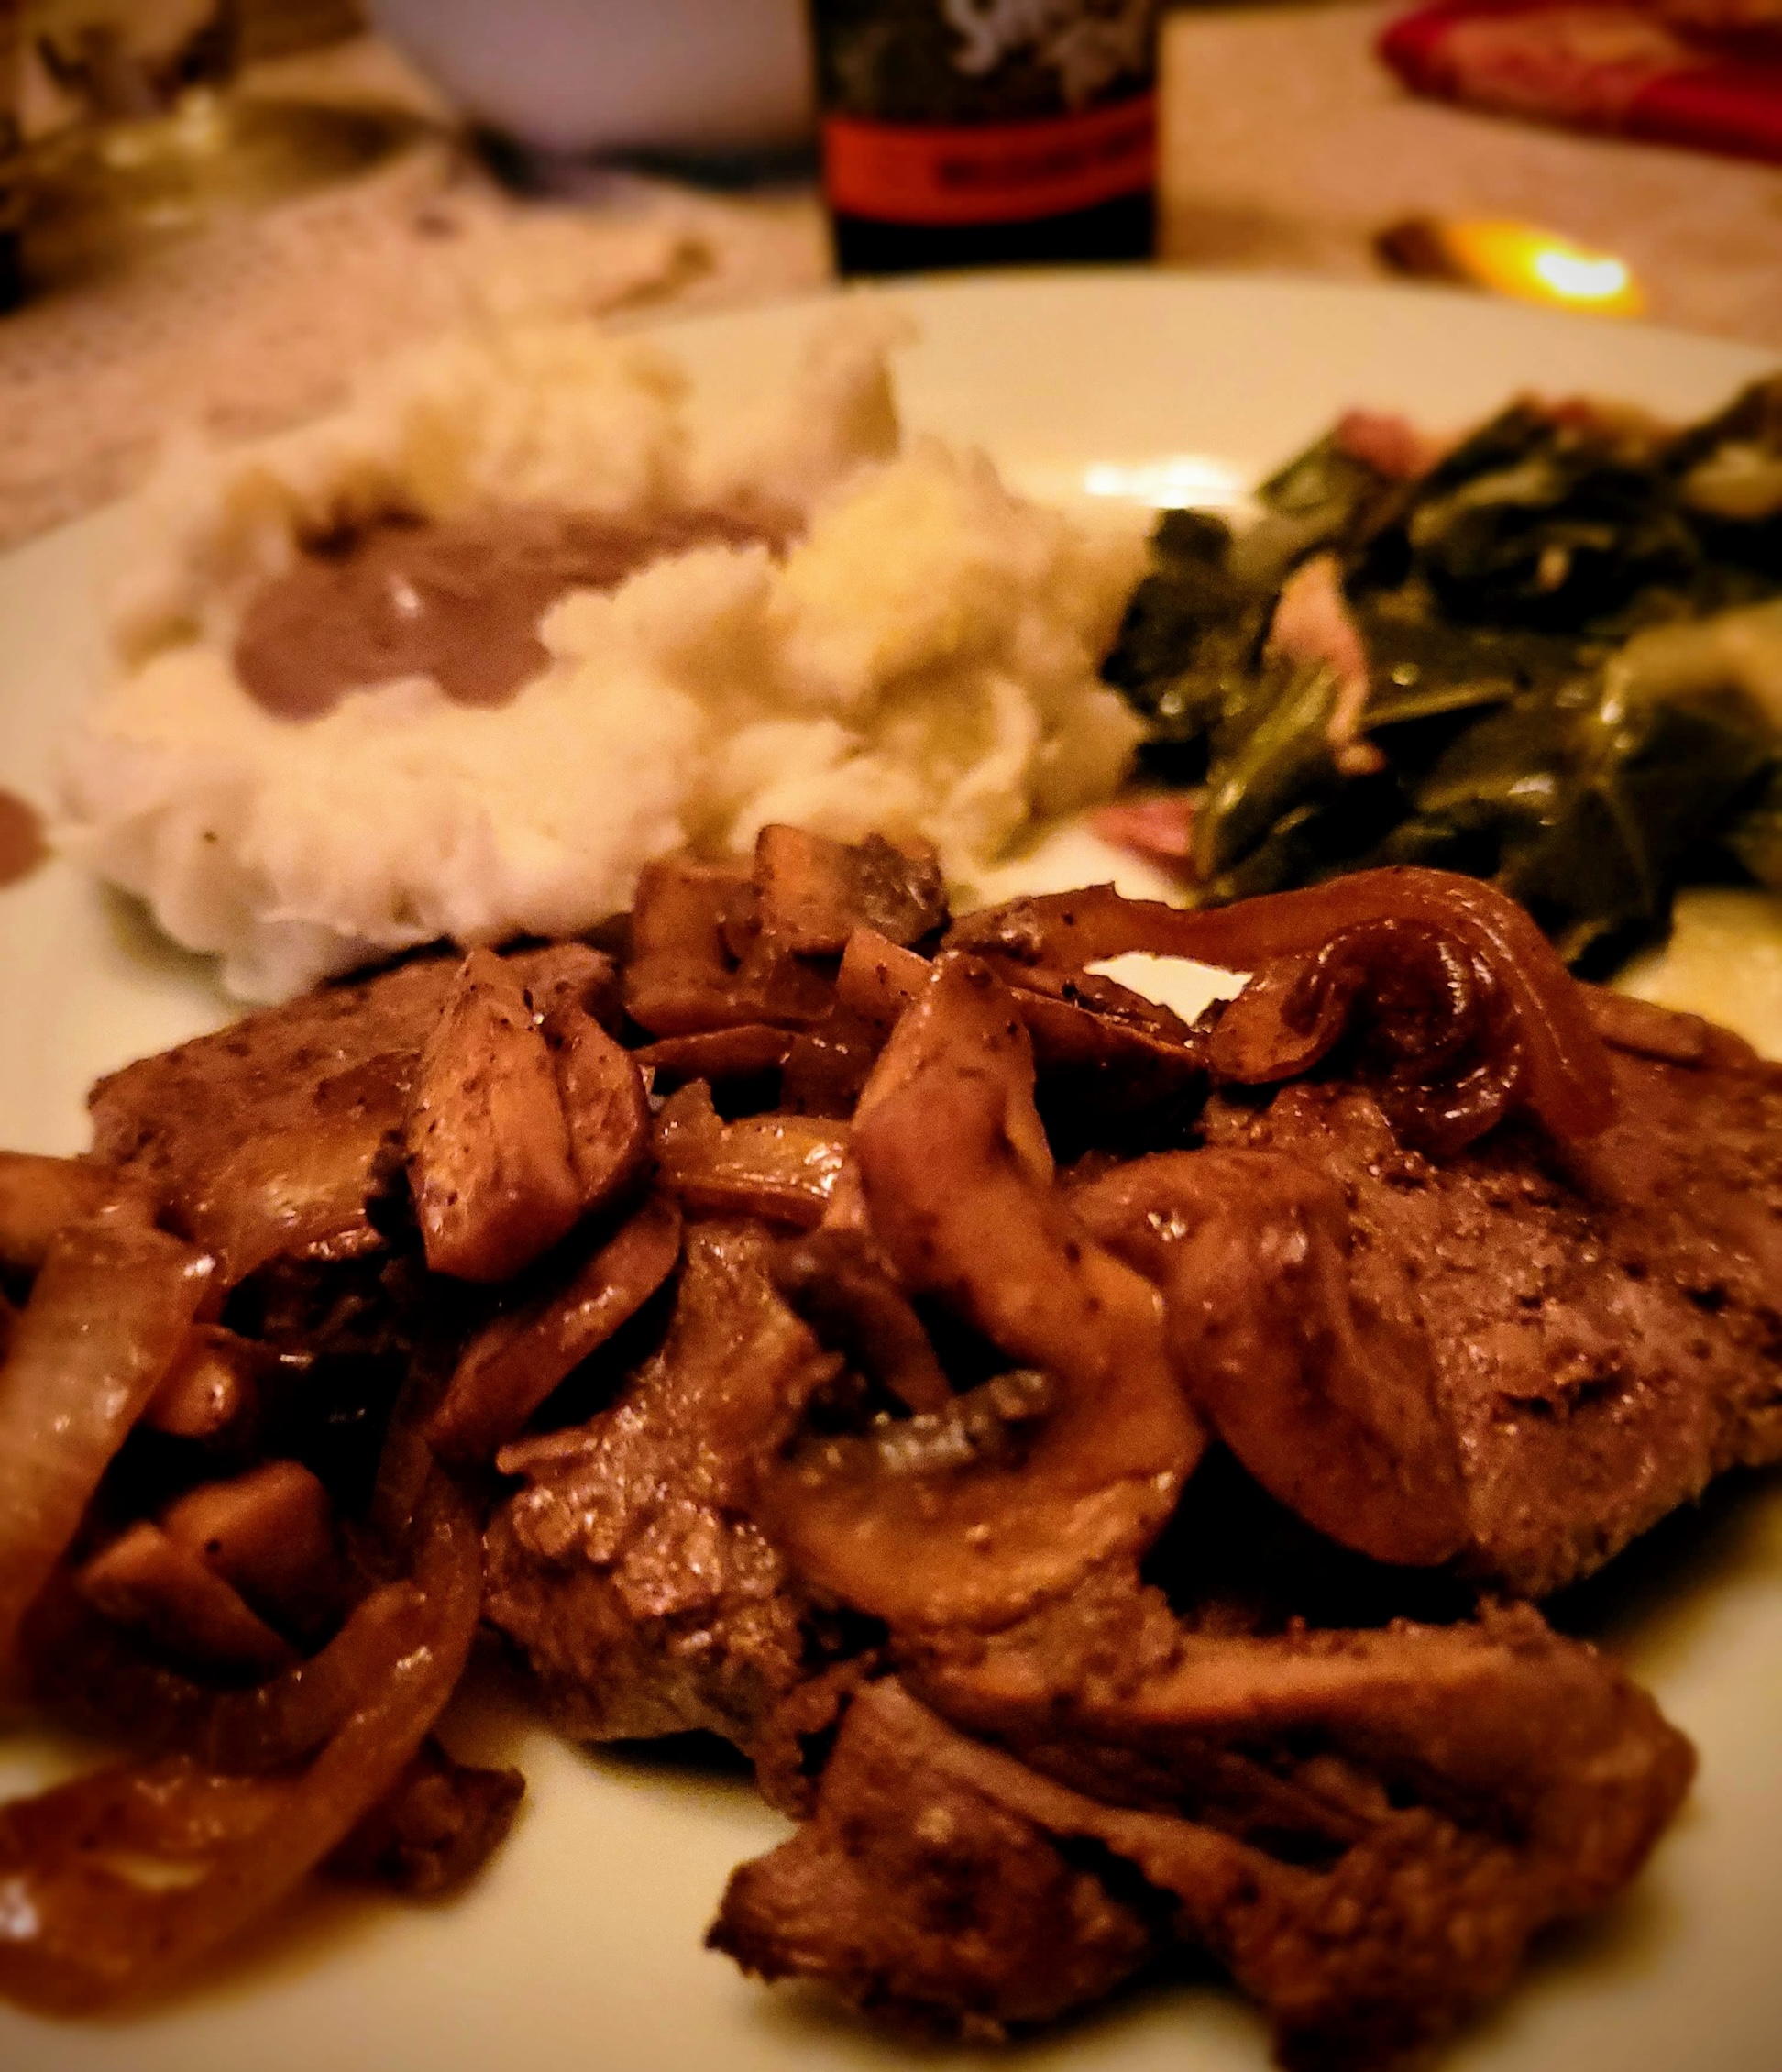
x: 921, y: 659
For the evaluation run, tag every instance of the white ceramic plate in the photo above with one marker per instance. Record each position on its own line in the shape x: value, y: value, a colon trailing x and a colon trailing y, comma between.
x: 582, y: 1944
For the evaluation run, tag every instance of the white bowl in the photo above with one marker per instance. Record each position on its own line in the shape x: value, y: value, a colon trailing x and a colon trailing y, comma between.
x: 613, y: 76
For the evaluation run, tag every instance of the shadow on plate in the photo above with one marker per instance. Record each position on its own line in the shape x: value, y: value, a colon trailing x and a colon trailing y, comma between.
x: 1652, y: 1599
x: 1181, y: 2013
x: 134, y: 931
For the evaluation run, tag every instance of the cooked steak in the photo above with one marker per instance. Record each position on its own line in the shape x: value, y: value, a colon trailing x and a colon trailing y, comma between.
x: 1604, y: 1320
x: 270, y: 1138
x: 435, y: 1828
x: 628, y: 1569
x: 1364, y: 1828
x: 1046, y: 1537
x: 922, y: 1891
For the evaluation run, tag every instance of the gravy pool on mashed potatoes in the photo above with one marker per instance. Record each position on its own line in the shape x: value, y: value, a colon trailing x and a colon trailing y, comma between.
x: 919, y: 658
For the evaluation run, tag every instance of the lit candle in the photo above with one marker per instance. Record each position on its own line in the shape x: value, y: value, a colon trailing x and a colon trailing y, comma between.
x: 1520, y: 260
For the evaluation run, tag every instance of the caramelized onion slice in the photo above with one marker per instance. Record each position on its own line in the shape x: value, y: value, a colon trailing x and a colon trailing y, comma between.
x: 963, y: 1215
x: 740, y: 1052
x: 108, y: 1313
x: 782, y: 1167
x: 39, y: 1195
x: 1425, y: 1025
x: 1328, y: 1400
x: 297, y: 1192
x: 512, y: 1365
x: 1564, y: 1070
x: 120, y: 1882
x: 96, y: 1677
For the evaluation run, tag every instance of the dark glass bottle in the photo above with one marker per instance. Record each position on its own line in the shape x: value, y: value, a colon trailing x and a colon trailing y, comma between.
x: 987, y: 132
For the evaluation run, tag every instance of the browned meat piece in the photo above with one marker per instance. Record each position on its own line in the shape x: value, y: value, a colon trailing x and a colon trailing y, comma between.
x: 628, y: 1569
x: 920, y: 1893
x: 435, y: 1829
x: 325, y: 1080
x: 1365, y: 1828
x: 1605, y: 1321
x: 815, y: 893
x: 1501, y: 1724
x: 1411, y: 1805
x: 795, y: 1742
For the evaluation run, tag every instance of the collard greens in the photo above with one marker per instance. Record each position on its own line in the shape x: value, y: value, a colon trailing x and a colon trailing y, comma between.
x: 1573, y: 630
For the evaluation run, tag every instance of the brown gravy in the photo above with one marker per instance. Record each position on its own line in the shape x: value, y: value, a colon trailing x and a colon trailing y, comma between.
x: 455, y: 598
x: 22, y: 845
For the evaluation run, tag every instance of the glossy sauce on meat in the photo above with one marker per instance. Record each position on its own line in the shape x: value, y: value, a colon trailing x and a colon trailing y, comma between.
x: 837, y: 1412
x: 455, y: 598
x: 22, y: 846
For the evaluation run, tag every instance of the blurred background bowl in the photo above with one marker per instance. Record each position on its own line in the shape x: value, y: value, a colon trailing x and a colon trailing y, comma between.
x: 575, y: 76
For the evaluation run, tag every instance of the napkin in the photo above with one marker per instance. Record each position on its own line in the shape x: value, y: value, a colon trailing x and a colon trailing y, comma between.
x: 1706, y: 73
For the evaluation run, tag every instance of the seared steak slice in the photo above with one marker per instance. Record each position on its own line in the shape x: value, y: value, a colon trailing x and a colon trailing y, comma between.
x: 1603, y: 1319
x: 922, y: 1891
x: 270, y: 1138
x: 1365, y: 1828
x: 434, y: 1828
x: 628, y: 1569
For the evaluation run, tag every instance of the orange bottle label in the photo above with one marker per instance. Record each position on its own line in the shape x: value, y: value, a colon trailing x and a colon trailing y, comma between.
x: 989, y: 173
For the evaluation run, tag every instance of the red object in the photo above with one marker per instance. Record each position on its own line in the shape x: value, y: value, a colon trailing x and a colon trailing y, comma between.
x: 1161, y: 829
x: 1705, y: 73
x: 989, y: 173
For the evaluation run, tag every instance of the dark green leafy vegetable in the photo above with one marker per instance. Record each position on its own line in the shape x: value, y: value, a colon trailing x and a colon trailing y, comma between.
x: 1531, y: 726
